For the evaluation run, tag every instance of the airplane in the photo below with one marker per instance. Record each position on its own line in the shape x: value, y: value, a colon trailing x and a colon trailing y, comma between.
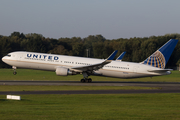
x: 64, y: 65
x: 121, y: 56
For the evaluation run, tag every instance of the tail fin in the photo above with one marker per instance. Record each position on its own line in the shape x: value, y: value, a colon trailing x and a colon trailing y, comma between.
x: 161, y: 56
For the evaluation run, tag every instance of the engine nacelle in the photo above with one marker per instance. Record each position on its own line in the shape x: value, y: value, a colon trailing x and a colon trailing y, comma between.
x: 62, y: 71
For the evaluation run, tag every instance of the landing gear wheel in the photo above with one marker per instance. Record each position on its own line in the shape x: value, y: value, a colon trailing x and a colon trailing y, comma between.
x: 82, y: 80
x: 89, y: 80
x: 14, y: 73
x: 86, y: 80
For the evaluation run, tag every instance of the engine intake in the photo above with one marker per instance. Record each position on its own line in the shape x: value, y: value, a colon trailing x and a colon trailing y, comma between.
x: 62, y: 71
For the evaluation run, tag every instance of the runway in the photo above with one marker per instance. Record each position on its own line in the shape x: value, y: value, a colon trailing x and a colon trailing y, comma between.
x: 164, y: 87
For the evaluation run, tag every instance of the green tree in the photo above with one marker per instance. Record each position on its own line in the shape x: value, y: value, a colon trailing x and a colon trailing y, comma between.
x: 5, y: 48
x: 78, y: 49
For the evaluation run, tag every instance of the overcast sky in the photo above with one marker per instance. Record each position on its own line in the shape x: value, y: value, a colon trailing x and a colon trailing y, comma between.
x: 80, y: 18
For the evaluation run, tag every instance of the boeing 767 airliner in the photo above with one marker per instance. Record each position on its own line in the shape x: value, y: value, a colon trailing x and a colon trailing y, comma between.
x: 70, y: 65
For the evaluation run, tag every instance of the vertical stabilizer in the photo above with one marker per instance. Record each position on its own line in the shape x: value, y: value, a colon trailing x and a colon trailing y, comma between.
x: 161, y: 56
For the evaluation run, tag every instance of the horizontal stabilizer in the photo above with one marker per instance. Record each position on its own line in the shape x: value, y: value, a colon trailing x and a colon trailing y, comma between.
x: 160, y: 71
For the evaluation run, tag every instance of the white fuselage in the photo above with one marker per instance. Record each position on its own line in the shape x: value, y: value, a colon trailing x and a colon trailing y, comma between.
x: 50, y: 62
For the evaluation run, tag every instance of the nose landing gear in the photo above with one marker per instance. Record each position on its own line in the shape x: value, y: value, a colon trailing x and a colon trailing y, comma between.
x: 14, y: 68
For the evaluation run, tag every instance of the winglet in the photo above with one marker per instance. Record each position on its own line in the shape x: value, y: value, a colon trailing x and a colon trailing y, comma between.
x: 111, y: 57
x: 121, y: 56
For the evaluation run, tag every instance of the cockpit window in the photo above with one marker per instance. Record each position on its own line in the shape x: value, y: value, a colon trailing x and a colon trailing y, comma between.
x: 8, y: 55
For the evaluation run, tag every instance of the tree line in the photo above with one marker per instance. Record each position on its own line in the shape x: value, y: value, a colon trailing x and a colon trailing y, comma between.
x: 96, y: 46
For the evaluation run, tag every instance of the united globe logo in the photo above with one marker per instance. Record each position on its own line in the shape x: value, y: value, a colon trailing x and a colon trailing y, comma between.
x: 156, y: 59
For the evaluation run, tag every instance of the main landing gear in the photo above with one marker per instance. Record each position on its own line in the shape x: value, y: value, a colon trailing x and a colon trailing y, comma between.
x: 86, y: 79
x: 14, y: 68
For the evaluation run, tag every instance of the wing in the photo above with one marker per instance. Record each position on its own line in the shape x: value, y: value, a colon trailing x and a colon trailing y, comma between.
x: 94, y: 66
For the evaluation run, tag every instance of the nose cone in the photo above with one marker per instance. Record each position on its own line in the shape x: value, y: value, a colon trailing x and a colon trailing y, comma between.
x: 3, y: 58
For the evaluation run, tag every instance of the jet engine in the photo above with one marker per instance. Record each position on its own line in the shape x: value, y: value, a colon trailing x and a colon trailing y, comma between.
x: 62, y: 71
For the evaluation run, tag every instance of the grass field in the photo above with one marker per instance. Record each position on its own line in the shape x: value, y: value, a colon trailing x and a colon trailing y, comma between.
x: 27, y: 74
x: 92, y: 107
x: 87, y: 106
